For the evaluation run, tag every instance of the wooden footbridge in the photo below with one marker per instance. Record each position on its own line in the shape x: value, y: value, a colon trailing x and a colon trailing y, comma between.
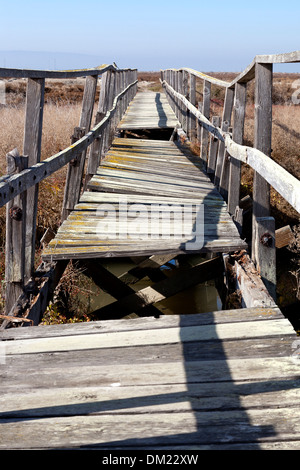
x: 134, y: 378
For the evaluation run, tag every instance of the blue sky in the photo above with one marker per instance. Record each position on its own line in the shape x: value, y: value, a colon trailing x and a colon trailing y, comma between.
x: 207, y: 36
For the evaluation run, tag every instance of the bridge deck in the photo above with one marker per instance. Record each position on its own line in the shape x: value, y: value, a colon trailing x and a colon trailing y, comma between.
x: 220, y: 380
x: 152, y: 174
x: 149, y: 110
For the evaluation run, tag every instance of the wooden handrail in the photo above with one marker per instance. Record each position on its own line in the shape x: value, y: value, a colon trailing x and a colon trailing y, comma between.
x: 12, y: 186
x: 226, y: 151
x: 281, y: 180
x: 249, y: 72
x: 19, y: 189
x: 27, y: 73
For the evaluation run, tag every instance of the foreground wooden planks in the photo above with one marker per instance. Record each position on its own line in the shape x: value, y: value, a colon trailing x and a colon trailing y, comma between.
x: 148, y: 186
x: 220, y: 380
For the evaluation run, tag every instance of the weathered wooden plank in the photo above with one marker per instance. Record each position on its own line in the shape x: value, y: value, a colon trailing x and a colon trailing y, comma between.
x: 97, y: 197
x: 219, y: 332
x: 189, y: 428
x: 66, y: 252
x: 282, y: 369
x: 165, y: 321
x: 190, y: 351
x: 249, y: 282
x: 283, y: 236
x: 115, y: 400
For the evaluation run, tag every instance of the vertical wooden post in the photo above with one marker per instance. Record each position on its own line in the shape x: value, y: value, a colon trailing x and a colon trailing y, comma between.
x: 109, y: 129
x: 177, y: 101
x: 192, y: 99
x: 239, y: 109
x: 266, y: 252
x: 199, y: 127
x: 180, y: 90
x: 32, y: 147
x: 96, y: 147
x: 220, y: 156
x: 213, y: 149
x: 223, y: 162
x: 204, y: 135
x: 262, y: 141
x: 76, y: 168
x: 173, y: 84
x: 15, y: 254
x: 185, y: 93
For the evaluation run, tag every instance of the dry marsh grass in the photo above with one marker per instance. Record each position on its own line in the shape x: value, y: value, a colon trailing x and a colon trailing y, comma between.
x: 58, y: 125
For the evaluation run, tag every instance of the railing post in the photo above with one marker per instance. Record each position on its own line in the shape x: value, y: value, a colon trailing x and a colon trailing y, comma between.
x: 110, y: 99
x: 177, y: 101
x: 185, y: 93
x: 96, y: 147
x: 261, y: 189
x: 192, y: 99
x: 76, y: 168
x: 15, y: 254
x: 266, y: 252
x: 204, y: 134
x: 172, y: 83
x: 32, y: 147
x: 224, y: 164
x: 239, y: 109
x: 221, y: 156
x: 180, y: 90
x: 213, y: 149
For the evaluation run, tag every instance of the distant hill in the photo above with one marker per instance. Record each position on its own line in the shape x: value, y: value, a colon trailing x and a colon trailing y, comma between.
x: 49, y: 60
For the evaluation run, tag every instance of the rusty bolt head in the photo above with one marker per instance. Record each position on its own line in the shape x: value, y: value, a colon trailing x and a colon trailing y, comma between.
x: 266, y: 239
x: 16, y: 213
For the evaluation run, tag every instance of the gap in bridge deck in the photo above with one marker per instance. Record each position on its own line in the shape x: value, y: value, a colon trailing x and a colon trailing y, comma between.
x: 201, y: 298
